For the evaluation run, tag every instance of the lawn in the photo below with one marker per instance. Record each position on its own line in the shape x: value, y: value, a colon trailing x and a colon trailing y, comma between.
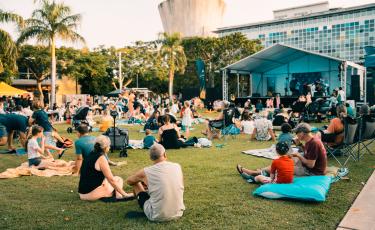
x: 215, y: 196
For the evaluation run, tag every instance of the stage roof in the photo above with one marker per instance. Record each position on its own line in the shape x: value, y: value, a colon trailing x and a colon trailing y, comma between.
x: 271, y: 58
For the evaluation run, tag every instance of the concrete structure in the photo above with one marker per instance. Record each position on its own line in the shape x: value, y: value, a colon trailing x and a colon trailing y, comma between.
x: 192, y: 17
x: 339, y: 32
x: 300, y: 10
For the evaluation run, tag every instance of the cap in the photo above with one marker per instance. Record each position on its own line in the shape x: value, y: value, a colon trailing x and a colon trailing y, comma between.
x: 302, y: 128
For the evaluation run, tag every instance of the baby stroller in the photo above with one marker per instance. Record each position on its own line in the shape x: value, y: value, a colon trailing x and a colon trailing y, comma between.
x: 80, y: 118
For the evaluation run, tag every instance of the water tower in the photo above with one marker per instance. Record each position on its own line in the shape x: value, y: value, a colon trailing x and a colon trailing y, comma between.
x: 192, y: 17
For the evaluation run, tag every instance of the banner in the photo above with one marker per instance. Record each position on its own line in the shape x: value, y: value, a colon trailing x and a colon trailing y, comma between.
x: 202, y: 78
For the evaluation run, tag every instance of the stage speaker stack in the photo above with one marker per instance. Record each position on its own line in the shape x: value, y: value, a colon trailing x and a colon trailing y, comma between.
x: 355, y: 88
x: 370, y: 86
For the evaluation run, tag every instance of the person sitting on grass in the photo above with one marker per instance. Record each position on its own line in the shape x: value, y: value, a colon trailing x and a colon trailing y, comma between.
x: 96, y: 180
x: 286, y: 135
x: 282, y: 169
x: 312, y: 162
x: 159, y: 188
x: 148, y: 140
x: 263, y: 129
x: 35, y: 151
x: 247, y: 123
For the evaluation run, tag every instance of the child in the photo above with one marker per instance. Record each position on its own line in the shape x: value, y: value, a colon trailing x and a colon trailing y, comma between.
x: 247, y: 124
x: 34, y: 151
x: 149, y: 140
x: 187, y: 118
x: 282, y: 169
x: 286, y: 135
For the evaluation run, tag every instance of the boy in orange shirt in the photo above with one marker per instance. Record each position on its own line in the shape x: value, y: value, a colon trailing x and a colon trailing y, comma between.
x: 282, y: 169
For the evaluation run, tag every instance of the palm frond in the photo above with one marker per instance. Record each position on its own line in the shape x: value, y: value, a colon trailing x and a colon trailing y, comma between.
x: 11, y: 17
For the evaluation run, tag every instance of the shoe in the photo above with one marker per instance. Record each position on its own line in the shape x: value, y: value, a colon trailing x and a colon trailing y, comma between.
x: 197, y: 145
x: 342, y: 172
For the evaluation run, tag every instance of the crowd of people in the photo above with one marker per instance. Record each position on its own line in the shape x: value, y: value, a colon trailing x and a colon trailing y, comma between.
x: 159, y: 188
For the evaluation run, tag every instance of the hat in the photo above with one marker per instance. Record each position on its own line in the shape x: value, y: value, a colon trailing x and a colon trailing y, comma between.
x: 302, y: 128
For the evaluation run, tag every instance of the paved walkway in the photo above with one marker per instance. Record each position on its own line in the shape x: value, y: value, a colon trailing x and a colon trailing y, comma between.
x: 362, y: 213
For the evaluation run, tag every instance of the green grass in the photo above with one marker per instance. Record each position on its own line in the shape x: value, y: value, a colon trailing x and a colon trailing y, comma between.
x: 215, y: 196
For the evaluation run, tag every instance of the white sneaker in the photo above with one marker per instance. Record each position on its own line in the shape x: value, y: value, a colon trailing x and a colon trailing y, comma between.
x: 197, y: 145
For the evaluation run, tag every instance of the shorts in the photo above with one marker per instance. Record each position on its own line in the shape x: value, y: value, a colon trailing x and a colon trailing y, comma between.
x: 35, y: 161
x: 3, y: 131
x: 49, y: 139
x: 299, y: 169
x: 142, y: 197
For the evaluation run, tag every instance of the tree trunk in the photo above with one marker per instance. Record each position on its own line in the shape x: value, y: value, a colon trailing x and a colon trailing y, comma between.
x: 53, y: 73
x: 39, y: 85
x: 171, y: 77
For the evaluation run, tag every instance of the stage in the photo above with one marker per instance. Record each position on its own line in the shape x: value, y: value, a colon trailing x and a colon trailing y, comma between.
x: 287, y: 101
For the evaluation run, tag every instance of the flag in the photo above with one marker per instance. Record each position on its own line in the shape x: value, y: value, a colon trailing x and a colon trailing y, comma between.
x: 202, y: 78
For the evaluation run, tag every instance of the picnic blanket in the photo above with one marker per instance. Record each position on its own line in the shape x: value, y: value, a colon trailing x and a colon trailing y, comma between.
x: 64, y: 169
x: 136, y: 144
x: 269, y: 153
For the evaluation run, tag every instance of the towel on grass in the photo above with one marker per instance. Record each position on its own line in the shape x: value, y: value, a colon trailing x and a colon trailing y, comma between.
x: 269, y: 153
x: 136, y: 144
x: 64, y: 169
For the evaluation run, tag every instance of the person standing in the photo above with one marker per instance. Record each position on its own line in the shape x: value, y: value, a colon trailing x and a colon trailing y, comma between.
x: 164, y: 199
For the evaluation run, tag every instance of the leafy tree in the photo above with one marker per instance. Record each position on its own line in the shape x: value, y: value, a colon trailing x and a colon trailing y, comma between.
x: 36, y: 61
x: 48, y: 23
x: 8, y: 49
x: 173, y: 54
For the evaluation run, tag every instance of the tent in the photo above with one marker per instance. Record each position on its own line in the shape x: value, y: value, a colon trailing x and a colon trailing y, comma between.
x: 7, y: 90
x: 277, y: 65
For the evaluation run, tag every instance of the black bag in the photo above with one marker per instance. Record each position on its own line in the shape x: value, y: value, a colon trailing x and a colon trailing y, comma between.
x: 119, y: 137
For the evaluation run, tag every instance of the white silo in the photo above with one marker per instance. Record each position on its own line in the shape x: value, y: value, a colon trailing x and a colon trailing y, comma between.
x: 192, y: 17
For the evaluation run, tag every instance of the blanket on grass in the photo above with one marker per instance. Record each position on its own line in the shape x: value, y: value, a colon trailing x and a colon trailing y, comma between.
x: 136, y: 144
x: 63, y: 168
x: 269, y: 153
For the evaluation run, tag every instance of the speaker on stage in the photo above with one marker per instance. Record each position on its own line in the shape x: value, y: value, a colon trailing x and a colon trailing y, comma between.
x: 370, y: 86
x: 355, y: 88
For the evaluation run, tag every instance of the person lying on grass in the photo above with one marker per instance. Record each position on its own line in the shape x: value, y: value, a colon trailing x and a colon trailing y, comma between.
x: 282, y: 169
x: 96, y: 180
x: 35, y: 151
x: 312, y: 162
x: 159, y: 188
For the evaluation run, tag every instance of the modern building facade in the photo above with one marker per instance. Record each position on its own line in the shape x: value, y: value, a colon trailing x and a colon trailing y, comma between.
x: 192, y: 17
x: 338, y: 32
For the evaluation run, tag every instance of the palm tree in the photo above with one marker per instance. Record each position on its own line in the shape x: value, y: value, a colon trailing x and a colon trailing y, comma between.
x: 50, y: 22
x: 173, y: 53
x: 8, y: 49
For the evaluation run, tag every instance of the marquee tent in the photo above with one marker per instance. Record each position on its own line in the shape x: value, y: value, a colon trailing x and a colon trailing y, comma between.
x: 7, y: 90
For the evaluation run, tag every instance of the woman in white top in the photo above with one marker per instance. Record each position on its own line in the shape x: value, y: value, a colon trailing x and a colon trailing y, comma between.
x: 187, y: 118
x: 247, y: 124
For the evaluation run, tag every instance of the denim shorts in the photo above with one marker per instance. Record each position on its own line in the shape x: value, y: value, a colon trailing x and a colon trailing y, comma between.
x: 35, y: 161
x: 3, y: 131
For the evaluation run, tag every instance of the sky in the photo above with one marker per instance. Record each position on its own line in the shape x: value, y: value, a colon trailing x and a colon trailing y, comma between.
x: 122, y: 22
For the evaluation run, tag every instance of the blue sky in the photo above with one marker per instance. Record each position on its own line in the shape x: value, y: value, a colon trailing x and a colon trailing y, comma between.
x: 121, y: 22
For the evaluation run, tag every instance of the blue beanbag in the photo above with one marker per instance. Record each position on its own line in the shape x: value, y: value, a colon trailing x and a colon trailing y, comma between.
x: 309, y: 188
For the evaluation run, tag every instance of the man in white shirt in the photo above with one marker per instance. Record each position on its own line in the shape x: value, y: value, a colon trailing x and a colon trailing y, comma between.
x: 164, y: 180
x: 342, y: 94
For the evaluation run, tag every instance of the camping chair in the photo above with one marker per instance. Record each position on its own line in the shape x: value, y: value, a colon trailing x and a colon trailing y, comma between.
x: 366, y: 137
x: 347, y: 148
x: 229, y: 124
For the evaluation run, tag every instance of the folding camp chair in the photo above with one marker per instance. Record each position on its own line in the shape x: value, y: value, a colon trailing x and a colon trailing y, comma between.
x: 366, y: 137
x: 347, y: 148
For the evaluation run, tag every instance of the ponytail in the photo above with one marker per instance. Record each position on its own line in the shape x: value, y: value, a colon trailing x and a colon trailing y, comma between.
x: 97, y: 148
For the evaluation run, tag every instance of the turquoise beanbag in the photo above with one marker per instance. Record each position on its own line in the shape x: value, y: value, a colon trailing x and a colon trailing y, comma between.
x: 308, y: 188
